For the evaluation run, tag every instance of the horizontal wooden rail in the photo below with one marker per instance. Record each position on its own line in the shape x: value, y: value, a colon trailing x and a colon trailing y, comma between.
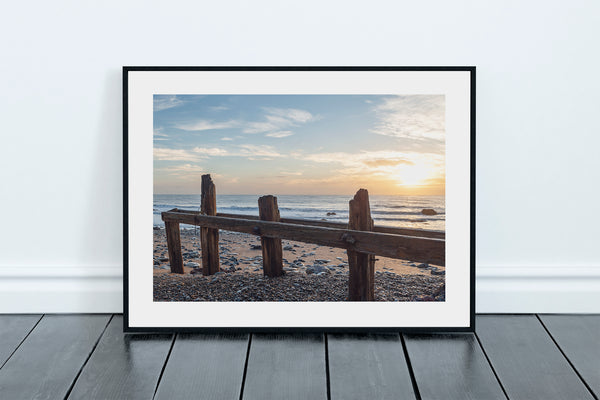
x: 419, y: 249
x: 337, y: 225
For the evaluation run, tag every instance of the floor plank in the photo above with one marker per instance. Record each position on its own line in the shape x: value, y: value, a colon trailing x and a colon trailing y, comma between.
x: 579, y: 338
x: 286, y: 367
x: 368, y: 367
x: 123, y: 366
x: 451, y: 366
x: 13, y: 329
x: 204, y: 367
x: 526, y: 360
x: 46, y: 364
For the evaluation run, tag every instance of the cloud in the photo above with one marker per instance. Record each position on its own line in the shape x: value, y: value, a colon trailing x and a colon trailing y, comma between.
x: 176, y: 169
x: 280, y: 134
x: 378, y: 163
x: 227, y: 139
x: 159, y: 134
x: 279, y: 119
x: 212, y: 151
x: 260, y: 127
x: 205, y: 125
x: 258, y: 151
x: 419, y: 117
x: 164, y: 102
x: 219, y: 108
x: 162, y: 154
x: 292, y: 114
x: 289, y: 173
x: 387, y: 162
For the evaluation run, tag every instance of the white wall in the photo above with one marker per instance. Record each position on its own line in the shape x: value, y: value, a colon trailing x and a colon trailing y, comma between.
x: 538, y: 99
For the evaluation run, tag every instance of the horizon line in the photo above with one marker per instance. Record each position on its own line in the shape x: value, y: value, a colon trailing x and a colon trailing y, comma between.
x: 294, y: 194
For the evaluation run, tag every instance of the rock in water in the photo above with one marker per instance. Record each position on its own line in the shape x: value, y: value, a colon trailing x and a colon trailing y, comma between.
x: 428, y: 211
x: 331, y: 213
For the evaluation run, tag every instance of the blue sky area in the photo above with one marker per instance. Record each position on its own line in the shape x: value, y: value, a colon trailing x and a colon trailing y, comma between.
x: 300, y: 144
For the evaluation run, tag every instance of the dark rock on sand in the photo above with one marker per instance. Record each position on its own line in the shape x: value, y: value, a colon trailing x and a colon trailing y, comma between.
x: 428, y: 211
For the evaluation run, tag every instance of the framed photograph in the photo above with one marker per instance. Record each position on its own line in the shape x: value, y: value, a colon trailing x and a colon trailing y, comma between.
x: 330, y: 199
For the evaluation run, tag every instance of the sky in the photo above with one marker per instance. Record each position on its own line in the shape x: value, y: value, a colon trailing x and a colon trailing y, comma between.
x: 300, y: 144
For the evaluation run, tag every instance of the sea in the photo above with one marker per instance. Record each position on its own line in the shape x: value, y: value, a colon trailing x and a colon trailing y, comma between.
x: 396, y: 211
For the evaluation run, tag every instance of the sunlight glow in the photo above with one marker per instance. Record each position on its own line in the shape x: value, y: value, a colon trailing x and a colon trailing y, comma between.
x: 413, y: 175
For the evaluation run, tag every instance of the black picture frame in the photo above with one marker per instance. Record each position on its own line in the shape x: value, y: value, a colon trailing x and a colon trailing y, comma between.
x: 471, y: 70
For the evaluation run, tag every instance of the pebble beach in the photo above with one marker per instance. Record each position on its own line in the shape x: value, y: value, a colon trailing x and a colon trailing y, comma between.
x: 311, y: 273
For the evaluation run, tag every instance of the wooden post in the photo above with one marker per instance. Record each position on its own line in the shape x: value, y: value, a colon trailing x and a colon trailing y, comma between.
x: 174, y: 246
x: 209, y: 238
x: 361, y: 286
x: 271, y: 247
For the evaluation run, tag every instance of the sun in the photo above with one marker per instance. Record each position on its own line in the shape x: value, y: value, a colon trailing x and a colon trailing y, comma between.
x: 413, y: 174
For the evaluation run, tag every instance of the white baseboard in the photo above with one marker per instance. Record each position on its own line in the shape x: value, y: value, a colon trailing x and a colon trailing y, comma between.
x: 100, y: 290
x: 524, y: 290
x: 51, y: 289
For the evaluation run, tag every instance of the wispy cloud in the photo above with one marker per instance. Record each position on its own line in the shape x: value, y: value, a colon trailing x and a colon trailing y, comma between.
x: 417, y: 117
x: 380, y: 163
x: 163, y: 154
x: 290, y: 173
x: 164, y: 102
x: 258, y: 151
x: 219, y: 108
x: 280, y: 134
x: 159, y: 134
x: 205, y: 125
x: 260, y: 127
x: 212, y: 151
x: 181, y: 168
x: 292, y: 114
x: 279, y: 119
x: 227, y: 139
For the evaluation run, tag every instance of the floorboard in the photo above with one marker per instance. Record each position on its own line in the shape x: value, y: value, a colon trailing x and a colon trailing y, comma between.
x: 451, y: 366
x: 123, y: 366
x: 13, y: 329
x: 368, y: 367
x: 578, y: 336
x: 46, y: 364
x: 526, y: 360
x: 286, y: 367
x: 204, y: 367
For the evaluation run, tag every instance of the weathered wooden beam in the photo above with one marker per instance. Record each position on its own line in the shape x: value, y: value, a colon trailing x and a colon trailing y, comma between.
x: 271, y: 247
x: 209, y: 238
x: 382, y: 229
x: 412, y: 248
x: 174, y: 246
x: 361, y: 283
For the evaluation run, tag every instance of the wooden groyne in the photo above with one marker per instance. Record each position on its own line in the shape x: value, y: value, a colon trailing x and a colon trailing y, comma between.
x: 360, y: 237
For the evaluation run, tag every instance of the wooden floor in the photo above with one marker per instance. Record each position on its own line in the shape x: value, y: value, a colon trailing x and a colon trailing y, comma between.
x: 510, y: 356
